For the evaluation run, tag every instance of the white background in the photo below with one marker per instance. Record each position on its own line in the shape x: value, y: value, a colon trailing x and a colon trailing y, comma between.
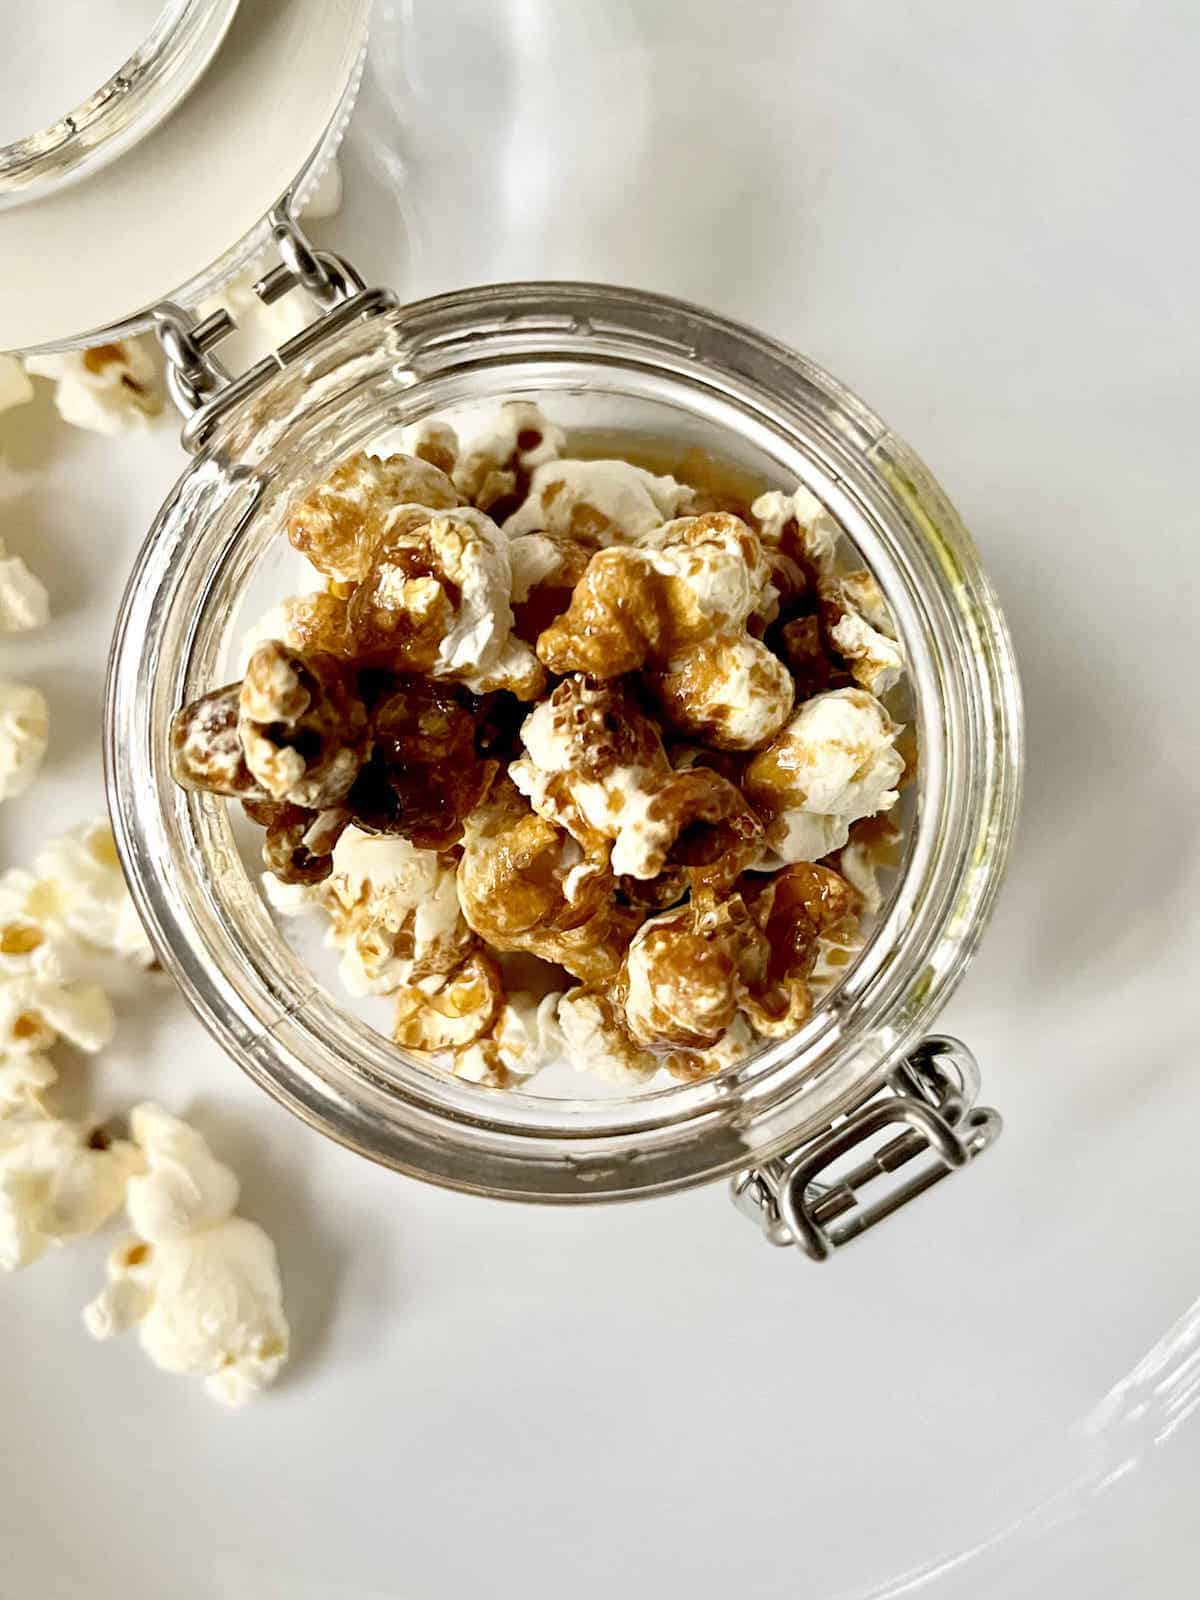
x: 982, y: 218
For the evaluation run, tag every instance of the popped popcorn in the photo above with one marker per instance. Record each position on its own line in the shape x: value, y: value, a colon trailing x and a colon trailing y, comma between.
x: 81, y: 889
x: 338, y: 524
x: 652, y: 826
x: 835, y: 762
x: 24, y: 735
x: 526, y: 1036
x: 36, y: 1011
x: 694, y: 577
x: 598, y: 1040
x: 494, y: 469
x: 597, y: 502
x: 109, y: 389
x: 24, y: 603
x: 393, y: 911
x: 302, y: 732
x: 25, y: 1075
x: 199, y: 1283
x: 58, y: 1179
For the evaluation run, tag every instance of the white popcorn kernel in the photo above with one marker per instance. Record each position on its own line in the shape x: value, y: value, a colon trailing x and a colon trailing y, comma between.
x: 109, y: 389
x: 15, y: 387
x: 82, y: 888
x: 208, y: 1305
x: 201, y: 1285
x: 25, y: 1075
x: 35, y: 1012
x: 184, y: 1187
x: 24, y: 603
x: 55, y: 1183
x: 24, y: 734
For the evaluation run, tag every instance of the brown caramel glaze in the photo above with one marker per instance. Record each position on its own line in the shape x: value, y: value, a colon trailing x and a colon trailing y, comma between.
x: 425, y: 773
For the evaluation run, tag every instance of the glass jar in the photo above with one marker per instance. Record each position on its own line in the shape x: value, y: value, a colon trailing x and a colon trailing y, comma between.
x: 270, y: 106
x: 651, y: 369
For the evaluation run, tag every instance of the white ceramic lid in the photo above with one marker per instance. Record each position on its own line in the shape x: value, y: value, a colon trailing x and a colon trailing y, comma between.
x: 186, y: 203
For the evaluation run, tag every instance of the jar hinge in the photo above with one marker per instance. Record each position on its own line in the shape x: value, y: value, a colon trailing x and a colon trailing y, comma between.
x: 932, y: 1093
x: 201, y: 386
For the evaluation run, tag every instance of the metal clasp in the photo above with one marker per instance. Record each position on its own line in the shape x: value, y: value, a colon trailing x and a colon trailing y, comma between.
x: 201, y: 387
x: 931, y: 1095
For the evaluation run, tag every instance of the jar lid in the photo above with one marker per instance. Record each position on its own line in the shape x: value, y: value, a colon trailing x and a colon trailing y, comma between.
x: 164, y: 206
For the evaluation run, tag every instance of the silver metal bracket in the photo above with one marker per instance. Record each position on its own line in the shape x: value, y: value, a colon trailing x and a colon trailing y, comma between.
x: 931, y: 1095
x: 201, y: 387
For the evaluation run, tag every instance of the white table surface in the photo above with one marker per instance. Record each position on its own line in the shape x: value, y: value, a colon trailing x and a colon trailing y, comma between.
x: 983, y: 219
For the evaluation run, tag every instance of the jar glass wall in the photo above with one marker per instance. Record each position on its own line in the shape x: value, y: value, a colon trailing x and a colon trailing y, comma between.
x: 602, y: 360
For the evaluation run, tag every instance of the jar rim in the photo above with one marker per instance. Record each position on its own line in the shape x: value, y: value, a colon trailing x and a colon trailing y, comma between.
x: 500, y: 1142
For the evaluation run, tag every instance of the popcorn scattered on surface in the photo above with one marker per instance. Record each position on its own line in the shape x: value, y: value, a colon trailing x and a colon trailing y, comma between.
x: 109, y: 389
x: 57, y: 1180
x: 24, y: 603
x: 25, y: 1076
x: 200, y: 1284
x: 80, y: 889
x: 24, y: 735
x: 650, y: 825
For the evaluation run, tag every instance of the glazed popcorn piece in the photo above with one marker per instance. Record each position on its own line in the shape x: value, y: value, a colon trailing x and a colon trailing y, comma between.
x: 524, y: 884
x: 688, y: 970
x: 798, y: 525
x: 302, y: 731
x: 634, y: 606
x: 199, y: 1283
x: 494, y: 470
x: 798, y: 909
x: 58, y: 1179
x: 433, y: 441
x: 729, y: 690
x: 24, y: 603
x: 110, y: 389
x: 393, y: 911
x: 450, y: 1012
x: 24, y: 734
x: 835, y: 762
x: 525, y: 1037
x: 598, y: 503
x: 338, y: 524
x: 436, y: 600
x: 206, y: 745
x: 861, y: 628
x: 598, y: 1040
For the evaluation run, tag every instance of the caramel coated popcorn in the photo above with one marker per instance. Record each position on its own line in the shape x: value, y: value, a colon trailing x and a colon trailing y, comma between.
x: 579, y: 761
